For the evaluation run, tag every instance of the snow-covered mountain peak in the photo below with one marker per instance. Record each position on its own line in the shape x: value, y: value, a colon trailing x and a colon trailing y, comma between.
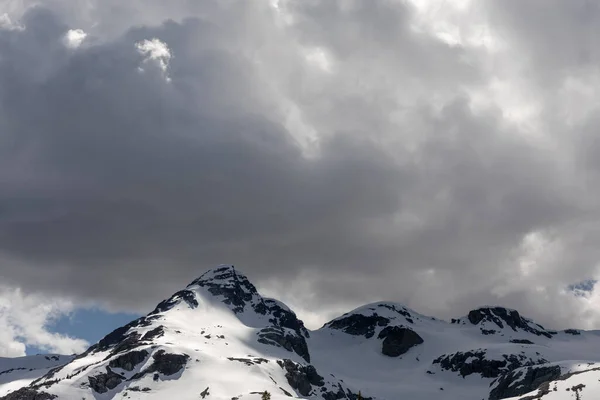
x: 219, y: 339
x: 224, y: 275
x: 232, y: 287
x: 369, y: 319
x: 495, y: 319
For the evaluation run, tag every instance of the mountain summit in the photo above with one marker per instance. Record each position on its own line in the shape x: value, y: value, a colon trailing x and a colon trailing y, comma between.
x: 218, y: 338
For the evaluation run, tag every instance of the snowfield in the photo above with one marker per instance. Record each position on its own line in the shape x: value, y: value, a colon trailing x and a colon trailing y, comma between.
x: 219, y: 339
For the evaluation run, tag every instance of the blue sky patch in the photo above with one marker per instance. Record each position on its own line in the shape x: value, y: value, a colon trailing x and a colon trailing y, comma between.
x: 582, y: 288
x: 90, y: 324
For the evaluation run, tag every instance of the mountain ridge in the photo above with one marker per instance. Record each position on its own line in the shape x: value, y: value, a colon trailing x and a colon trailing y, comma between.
x: 220, y: 332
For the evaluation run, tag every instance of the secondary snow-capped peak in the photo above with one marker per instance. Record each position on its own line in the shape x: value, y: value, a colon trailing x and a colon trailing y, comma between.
x: 365, y: 320
x: 493, y: 319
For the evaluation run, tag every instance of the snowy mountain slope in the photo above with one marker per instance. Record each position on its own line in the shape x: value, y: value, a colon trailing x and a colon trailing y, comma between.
x: 219, y: 339
x: 568, y: 380
x: 20, y: 371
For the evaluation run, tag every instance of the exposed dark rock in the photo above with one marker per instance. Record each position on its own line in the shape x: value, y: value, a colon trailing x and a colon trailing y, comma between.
x: 288, y: 394
x: 164, y: 363
x: 204, y: 393
x: 285, y: 318
x: 8, y: 371
x: 248, y: 361
x: 168, y: 364
x: 501, y: 316
x: 521, y: 341
x: 129, y: 343
x: 407, y: 315
x: 119, y: 335
x: 186, y: 296
x: 475, y: 362
x: 154, y: 333
x: 519, y: 382
x: 358, y: 324
x: 121, y: 339
x: 240, y: 294
x: 573, y: 332
x: 128, y: 361
x: 301, y: 377
x: 138, y: 389
x: 487, y: 331
x: 291, y: 341
x: 103, y: 382
x: 398, y: 340
x: 28, y: 394
x: 235, y: 288
x: 334, y: 395
x: 354, y: 396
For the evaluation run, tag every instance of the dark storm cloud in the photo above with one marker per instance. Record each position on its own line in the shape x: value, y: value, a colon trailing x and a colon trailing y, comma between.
x: 116, y: 167
x: 121, y: 180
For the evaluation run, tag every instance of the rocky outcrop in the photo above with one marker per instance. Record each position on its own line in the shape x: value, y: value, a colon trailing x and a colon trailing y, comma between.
x: 284, y: 317
x: 187, y: 296
x: 239, y: 293
x: 399, y: 310
x: 334, y: 394
x: 103, y: 382
x: 478, y: 362
x: 397, y: 340
x: 164, y: 363
x: 358, y: 324
x: 28, y: 394
x: 522, y: 381
x: 236, y: 289
x: 289, y: 340
x: 122, y: 339
x: 339, y: 393
x: 154, y: 333
x: 249, y: 361
x: 301, y: 377
x: 501, y: 316
x: 128, y: 361
x: 521, y: 341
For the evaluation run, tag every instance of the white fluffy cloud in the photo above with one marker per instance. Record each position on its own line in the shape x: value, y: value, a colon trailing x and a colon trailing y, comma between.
x: 74, y: 37
x: 155, y: 51
x: 25, y: 319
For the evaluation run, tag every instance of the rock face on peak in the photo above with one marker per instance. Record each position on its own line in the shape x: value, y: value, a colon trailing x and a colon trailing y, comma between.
x: 284, y: 329
x: 234, y: 287
x: 487, y: 363
x: 367, y: 320
x: 241, y: 296
x: 523, y: 381
x: 500, y: 317
x: 398, y: 340
x: 218, y: 338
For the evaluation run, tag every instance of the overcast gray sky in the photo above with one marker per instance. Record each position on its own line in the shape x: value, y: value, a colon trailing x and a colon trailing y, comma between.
x: 442, y: 154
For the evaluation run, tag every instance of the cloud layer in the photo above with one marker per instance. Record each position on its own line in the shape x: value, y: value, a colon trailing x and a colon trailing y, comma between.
x: 26, y: 321
x: 441, y: 154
